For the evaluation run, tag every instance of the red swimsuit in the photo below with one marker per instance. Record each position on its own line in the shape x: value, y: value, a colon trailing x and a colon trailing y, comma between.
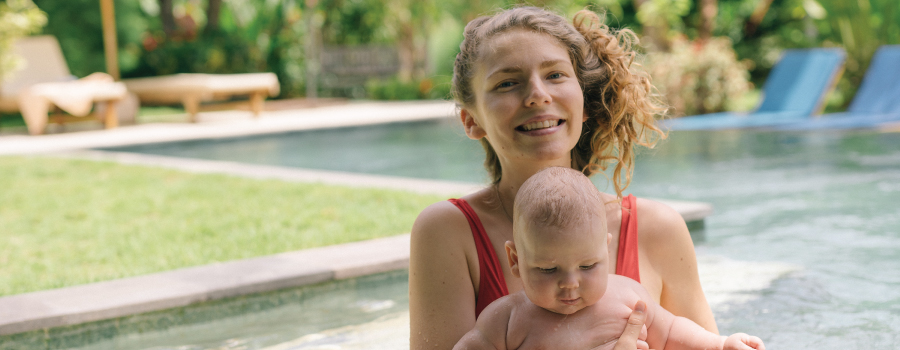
x: 492, y: 284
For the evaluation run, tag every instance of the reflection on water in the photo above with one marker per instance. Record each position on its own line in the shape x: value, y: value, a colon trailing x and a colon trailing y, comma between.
x: 807, y: 223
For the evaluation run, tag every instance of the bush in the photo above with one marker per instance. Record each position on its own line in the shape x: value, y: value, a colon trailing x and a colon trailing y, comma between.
x: 699, y: 77
x: 437, y: 87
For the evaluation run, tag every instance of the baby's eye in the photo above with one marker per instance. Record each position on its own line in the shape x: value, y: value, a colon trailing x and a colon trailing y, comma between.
x: 588, y: 267
x: 550, y: 270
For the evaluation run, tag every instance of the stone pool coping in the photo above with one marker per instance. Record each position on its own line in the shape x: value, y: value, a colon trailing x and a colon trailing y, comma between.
x: 112, y: 299
x: 690, y: 211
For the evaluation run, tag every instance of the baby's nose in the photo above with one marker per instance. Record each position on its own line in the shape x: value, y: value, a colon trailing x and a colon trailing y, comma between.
x: 568, y: 282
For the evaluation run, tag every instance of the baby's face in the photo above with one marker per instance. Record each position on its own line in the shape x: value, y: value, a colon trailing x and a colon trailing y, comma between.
x: 564, y: 270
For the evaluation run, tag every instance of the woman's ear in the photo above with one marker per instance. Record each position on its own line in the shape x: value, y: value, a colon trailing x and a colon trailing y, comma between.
x: 473, y: 130
x: 513, y: 258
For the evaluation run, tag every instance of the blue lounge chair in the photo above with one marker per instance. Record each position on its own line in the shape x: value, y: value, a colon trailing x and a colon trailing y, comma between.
x: 876, y: 102
x: 795, y: 90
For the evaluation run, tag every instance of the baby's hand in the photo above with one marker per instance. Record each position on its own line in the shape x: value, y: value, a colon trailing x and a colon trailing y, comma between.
x: 741, y: 341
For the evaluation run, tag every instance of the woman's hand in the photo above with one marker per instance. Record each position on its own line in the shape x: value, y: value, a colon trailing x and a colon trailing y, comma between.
x: 629, y: 339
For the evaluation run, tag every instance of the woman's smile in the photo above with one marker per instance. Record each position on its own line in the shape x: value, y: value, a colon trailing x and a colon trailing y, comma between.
x: 541, y: 126
x: 529, y: 104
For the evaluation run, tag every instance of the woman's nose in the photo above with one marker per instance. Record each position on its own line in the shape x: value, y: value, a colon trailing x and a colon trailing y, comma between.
x: 537, y: 94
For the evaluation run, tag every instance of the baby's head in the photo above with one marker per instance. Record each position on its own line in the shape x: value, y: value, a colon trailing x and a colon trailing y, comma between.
x: 560, y: 240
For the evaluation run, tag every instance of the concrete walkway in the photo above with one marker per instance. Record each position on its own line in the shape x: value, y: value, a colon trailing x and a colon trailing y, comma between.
x: 112, y: 299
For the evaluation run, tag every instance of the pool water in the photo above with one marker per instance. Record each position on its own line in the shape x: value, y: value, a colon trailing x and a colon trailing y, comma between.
x: 824, y: 203
x: 429, y: 149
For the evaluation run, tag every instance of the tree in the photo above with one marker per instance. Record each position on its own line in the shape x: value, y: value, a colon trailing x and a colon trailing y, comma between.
x: 213, y: 9
x: 18, y: 18
x: 167, y: 16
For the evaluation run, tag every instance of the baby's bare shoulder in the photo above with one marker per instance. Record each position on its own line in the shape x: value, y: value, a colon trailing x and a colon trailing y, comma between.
x: 626, y: 290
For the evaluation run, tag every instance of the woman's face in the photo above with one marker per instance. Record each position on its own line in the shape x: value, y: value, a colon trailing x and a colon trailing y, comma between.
x: 528, y: 103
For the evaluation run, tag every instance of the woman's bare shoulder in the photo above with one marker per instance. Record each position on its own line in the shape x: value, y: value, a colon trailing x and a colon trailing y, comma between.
x: 440, y: 221
x: 443, y: 218
x: 442, y: 274
x: 658, y: 221
x: 666, y: 242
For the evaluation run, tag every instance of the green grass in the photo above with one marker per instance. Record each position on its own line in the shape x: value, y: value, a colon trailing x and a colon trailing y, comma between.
x: 11, y: 120
x: 67, y: 222
x: 161, y: 114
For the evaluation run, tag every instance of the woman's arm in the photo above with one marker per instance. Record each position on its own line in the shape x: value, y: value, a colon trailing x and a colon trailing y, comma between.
x: 667, y: 245
x: 441, y: 291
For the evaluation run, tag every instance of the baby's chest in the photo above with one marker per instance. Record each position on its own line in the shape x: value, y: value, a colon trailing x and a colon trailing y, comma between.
x: 576, y: 334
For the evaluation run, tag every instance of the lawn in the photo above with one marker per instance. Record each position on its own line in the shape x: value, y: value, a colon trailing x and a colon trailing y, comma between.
x: 65, y: 222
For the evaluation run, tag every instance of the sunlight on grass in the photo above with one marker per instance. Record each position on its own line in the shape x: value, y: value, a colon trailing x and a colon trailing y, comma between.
x: 68, y: 222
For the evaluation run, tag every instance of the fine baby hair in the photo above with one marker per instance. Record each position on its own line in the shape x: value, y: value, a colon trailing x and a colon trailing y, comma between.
x: 557, y: 197
x: 617, y: 96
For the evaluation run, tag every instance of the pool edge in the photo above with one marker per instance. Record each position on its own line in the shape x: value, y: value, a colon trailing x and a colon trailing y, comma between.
x: 165, y: 290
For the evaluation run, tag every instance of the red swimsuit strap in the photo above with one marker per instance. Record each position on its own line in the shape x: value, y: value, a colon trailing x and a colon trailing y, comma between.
x: 492, y: 284
x: 627, y: 261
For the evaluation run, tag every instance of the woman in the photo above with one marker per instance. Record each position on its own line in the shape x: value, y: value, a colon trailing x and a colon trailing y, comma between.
x: 539, y: 92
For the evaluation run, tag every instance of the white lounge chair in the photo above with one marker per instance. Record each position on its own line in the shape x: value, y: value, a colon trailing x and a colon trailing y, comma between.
x: 192, y: 89
x: 45, y: 88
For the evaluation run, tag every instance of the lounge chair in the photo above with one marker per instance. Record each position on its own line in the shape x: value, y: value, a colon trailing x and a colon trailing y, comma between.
x: 192, y: 89
x: 795, y: 90
x: 45, y: 88
x: 877, y: 102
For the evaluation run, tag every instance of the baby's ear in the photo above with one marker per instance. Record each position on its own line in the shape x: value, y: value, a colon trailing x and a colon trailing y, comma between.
x: 513, y: 257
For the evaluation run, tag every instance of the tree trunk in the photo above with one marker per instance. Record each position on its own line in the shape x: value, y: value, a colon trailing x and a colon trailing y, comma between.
x: 762, y: 7
x: 167, y: 17
x: 212, y: 15
x: 708, y: 11
x: 656, y: 35
x: 407, y: 52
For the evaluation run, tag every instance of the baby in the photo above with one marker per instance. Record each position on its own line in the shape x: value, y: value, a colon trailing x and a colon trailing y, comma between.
x: 570, y: 301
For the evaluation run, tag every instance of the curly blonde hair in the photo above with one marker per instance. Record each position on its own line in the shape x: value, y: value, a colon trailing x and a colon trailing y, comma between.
x: 618, y: 99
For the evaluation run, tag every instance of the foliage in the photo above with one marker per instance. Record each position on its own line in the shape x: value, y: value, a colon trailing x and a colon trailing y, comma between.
x: 860, y: 27
x: 18, y: 18
x: 59, y: 230
x: 437, y: 87
x: 77, y: 25
x: 697, y: 77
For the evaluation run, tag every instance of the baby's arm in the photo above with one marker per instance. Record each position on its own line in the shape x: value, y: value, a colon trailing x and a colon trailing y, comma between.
x: 685, y: 334
x: 490, y: 328
x: 669, y: 332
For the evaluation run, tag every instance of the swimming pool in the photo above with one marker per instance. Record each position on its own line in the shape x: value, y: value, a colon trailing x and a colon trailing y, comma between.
x: 822, y: 201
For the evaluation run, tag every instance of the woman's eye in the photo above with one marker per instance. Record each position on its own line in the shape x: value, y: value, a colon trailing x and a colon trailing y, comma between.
x: 550, y: 270
x: 588, y: 267
x: 555, y: 76
x: 505, y: 84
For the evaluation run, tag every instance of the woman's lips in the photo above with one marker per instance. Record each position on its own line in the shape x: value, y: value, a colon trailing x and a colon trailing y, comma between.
x: 543, y: 127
